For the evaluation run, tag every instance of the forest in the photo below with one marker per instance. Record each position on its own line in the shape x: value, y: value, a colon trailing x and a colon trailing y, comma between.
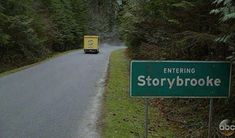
x: 182, y: 30
x: 31, y: 30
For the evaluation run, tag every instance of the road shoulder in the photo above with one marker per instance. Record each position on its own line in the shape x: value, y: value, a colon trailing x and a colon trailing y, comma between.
x: 123, y: 116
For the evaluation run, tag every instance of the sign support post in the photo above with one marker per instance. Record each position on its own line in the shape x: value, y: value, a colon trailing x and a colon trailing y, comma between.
x: 210, y: 117
x: 146, y: 118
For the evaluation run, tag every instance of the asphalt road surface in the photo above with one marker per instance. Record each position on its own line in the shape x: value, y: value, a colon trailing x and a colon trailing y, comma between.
x: 52, y: 99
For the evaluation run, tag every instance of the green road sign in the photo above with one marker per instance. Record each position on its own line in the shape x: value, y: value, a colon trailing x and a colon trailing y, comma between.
x: 185, y: 79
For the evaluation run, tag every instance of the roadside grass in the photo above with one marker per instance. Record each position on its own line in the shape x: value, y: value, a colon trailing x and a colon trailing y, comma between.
x: 49, y: 57
x: 123, y: 116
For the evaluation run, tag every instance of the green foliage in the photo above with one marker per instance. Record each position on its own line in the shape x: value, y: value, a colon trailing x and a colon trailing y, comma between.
x: 125, y: 120
x: 30, y: 30
x: 226, y: 10
x: 164, y: 23
x: 183, y: 5
x: 181, y: 30
x: 20, y: 39
x: 67, y: 28
x: 102, y: 20
x: 81, y: 14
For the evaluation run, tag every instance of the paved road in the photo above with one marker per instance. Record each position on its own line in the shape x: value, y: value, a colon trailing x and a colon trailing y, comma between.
x: 51, y: 100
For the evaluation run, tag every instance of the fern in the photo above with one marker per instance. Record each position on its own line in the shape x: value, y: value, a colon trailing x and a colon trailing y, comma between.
x: 227, y: 12
x: 183, y: 4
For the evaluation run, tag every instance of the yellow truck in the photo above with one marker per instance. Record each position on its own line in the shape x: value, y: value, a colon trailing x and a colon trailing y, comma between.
x: 91, y: 44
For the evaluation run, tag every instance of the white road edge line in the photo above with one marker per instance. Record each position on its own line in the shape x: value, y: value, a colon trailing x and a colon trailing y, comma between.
x: 94, y: 110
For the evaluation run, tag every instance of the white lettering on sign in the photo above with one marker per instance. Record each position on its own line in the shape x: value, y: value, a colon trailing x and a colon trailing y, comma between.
x: 171, y: 82
x: 179, y: 70
x: 207, y: 81
x: 141, y: 79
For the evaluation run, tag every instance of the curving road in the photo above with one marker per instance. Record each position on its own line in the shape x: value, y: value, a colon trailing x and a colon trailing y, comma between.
x: 55, y: 99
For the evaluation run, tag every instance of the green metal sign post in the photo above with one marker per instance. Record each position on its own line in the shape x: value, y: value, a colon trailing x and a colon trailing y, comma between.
x: 180, y: 79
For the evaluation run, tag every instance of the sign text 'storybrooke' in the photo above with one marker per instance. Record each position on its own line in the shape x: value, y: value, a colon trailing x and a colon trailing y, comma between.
x: 180, y: 78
